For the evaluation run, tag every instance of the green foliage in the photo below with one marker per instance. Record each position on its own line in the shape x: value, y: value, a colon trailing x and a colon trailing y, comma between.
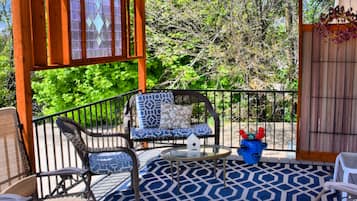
x: 7, y: 83
x: 224, y: 44
x: 7, y: 76
x: 199, y: 44
x: 313, y: 9
x: 57, y: 90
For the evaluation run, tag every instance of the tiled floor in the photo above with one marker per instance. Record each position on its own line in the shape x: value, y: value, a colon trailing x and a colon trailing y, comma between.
x: 103, y: 185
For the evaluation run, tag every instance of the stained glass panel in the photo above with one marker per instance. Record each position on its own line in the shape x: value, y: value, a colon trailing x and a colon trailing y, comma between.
x: 76, y: 29
x: 118, y: 32
x: 98, y: 28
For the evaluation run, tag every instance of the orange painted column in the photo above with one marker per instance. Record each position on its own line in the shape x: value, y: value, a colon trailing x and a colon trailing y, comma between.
x: 142, y: 74
x: 23, y: 59
x: 140, y: 42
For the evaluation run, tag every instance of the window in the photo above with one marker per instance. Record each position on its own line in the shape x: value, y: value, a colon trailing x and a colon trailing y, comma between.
x: 99, y: 24
x: 81, y: 32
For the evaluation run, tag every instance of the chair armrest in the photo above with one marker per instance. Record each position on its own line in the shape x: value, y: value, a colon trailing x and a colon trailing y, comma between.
x: 72, y: 126
x: 340, y: 186
x: 215, y: 118
x: 108, y: 149
x: 63, y: 172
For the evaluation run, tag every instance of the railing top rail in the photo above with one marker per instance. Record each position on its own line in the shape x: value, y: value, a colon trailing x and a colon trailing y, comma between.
x: 83, y: 106
x: 134, y: 91
x: 235, y: 90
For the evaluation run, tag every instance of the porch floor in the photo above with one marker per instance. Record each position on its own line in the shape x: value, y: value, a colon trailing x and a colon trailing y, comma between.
x: 104, y: 185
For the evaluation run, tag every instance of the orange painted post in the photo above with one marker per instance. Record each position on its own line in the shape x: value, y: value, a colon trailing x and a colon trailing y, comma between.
x: 140, y: 42
x: 142, y: 74
x: 23, y: 59
x: 39, y: 36
x: 140, y: 27
x: 58, y: 32
x: 140, y: 47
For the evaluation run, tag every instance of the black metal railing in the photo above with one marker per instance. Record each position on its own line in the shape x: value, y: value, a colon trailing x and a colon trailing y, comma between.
x: 275, y: 111
x: 238, y: 109
x: 53, y: 151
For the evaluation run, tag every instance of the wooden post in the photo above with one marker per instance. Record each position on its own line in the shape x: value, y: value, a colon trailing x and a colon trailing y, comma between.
x: 39, y: 36
x: 140, y: 47
x: 140, y: 42
x: 142, y: 74
x: 23, y: 59
x: 58, y: 32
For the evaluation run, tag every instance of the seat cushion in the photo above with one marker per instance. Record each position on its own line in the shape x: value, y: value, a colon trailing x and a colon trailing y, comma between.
x: 109, y: 162
x: 149, y: 133
x: 199, y: 130
x: 149, y: 108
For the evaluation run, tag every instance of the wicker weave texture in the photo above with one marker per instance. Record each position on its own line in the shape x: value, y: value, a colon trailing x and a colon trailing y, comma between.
x: 13, y: 163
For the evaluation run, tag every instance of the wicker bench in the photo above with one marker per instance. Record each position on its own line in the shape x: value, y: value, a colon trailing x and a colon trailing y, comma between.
x: 202, y: 113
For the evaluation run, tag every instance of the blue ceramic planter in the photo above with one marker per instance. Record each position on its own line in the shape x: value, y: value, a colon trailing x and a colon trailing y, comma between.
x: 251, y: 150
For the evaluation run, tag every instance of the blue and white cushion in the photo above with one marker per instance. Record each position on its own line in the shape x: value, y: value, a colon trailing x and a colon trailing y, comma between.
x: 109, y: 162
x: 149, y: 108
x: 199, y: 130
x: 175, y: 116
x: 149, y: 133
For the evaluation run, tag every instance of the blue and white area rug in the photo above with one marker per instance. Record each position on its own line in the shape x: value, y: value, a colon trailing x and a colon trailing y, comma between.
x: 265, y: 181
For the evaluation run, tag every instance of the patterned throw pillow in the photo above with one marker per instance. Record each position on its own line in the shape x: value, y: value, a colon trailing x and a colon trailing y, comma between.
x: 175, y: 116
x: 148, y: 108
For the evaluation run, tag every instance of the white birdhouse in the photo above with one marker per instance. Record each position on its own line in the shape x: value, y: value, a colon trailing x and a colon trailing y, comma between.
x: 193, y: 144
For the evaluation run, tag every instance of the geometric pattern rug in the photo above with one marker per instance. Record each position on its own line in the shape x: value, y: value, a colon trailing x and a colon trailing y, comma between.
x: 263, y: 181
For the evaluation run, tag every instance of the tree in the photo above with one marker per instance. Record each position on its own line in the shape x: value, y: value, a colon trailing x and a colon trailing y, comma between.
x: 61, y: 89
x: 313, y: 9
x: 248, y: 44
x: 230, y: 44
x: 7, y: 75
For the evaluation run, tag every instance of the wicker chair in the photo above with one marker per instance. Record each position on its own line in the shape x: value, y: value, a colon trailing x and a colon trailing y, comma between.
x: 14, y: 163
x: 106, y: 160
x: 17, y: 179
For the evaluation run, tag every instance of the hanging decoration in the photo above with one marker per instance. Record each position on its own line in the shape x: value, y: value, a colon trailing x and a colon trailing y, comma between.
x: 345, y: 24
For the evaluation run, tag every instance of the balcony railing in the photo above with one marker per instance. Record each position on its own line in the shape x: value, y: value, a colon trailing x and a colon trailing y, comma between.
x: 238, y: 109
x: 53, y: 151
